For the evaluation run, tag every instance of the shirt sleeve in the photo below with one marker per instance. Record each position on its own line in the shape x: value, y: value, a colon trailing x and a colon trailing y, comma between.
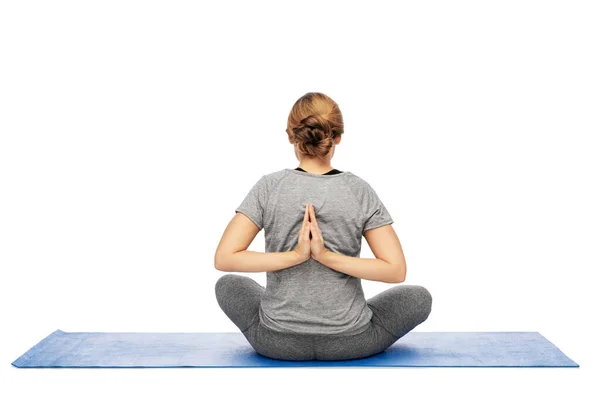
x: 253, y: 204
x: 376, y: 214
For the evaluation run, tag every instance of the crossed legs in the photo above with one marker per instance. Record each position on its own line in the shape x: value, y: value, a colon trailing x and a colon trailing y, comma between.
x: 396, y: 311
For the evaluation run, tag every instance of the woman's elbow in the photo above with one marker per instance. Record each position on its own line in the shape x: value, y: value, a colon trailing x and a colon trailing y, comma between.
x: 219, y: 263
x: 400, y: 274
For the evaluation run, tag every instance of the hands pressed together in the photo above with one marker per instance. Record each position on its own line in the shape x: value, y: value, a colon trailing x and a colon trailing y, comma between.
x: 310, y: 246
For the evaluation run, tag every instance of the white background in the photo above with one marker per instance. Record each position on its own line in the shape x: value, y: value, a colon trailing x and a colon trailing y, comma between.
x: 130, y: 131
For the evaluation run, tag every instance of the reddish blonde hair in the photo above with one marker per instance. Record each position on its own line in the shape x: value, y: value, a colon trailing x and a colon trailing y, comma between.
x: 315, y: 121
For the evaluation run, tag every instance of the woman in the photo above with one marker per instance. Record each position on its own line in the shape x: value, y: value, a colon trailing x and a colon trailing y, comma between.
x: 314, y: 216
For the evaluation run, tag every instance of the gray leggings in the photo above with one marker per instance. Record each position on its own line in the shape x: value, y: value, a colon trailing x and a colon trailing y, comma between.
x: 396, y: 311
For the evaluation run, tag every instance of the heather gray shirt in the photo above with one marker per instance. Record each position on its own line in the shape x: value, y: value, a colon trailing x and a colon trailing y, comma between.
x: 311, y: 298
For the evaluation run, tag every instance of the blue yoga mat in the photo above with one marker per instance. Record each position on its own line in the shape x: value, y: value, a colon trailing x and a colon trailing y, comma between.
x: 231, y: 349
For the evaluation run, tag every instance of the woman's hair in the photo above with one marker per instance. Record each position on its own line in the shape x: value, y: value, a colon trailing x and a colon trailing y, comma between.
x: 314, y: 122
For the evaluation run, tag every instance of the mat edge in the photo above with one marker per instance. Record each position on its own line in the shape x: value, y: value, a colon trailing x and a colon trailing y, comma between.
x: 575, y: 364
x: 21, y: 361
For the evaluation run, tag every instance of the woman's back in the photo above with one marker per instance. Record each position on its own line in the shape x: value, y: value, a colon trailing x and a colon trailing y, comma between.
x: 310, y: 297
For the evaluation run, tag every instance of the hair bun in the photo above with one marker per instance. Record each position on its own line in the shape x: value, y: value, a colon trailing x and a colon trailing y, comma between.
x: 314, y: 122
x: 313, y: 139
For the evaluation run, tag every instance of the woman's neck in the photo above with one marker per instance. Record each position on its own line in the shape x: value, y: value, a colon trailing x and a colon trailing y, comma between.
x: 316, y: 168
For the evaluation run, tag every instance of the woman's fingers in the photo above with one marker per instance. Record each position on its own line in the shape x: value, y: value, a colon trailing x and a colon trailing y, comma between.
x: 306, y: 224
x: 315, y: 225
x: 313, y: 217
x: 303, y: 247
x: 306, y: 216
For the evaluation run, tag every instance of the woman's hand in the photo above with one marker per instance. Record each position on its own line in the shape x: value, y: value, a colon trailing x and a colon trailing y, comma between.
x: 317, y: 245
x: 304, y: 244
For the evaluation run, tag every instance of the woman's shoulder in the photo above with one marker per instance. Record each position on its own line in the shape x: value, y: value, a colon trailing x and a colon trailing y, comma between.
x: 272, y: 178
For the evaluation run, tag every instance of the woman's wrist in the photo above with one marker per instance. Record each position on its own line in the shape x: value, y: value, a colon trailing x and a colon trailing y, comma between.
x: 322, y: 258
x: 296, y: 257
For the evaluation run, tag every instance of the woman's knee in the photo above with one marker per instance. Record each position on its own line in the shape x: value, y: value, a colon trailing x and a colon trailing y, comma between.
x: 417, y: 298
x: 238, y: 292
x: 221, y: 283
x: 424, y: 300
x: 226, y: 284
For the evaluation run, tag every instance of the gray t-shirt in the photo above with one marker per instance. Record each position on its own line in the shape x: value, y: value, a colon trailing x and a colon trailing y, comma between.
x: 311, y: 298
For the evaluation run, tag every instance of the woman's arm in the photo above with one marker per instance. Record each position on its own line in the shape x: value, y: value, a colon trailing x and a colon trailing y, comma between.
x: 232, y: 254
x: 372, y: 269
x: 257, y: 261
x: 389, y: 266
